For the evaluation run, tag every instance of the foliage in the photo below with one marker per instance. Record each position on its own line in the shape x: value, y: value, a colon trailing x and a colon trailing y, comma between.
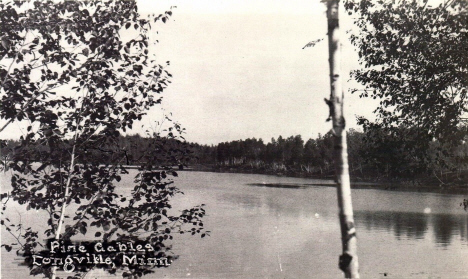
x: 375, y: 154
x: 395, y: 154
x: 415, y: 63
x: 70, y: 71
x: 282, y: 155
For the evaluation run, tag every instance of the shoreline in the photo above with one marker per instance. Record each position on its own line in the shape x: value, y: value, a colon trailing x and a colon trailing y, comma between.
x: 356, y: 183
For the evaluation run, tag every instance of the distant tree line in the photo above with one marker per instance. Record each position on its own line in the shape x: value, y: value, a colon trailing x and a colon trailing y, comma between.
x: 373, y: 155
x: 124, y: 150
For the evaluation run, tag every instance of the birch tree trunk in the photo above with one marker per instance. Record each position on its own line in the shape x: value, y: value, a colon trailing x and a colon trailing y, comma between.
x: 348, y: 261
x: 66, y: 195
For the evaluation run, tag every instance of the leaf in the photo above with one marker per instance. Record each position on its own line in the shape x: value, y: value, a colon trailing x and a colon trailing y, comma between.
x: 83, y: 230
x: 313, y: 43
x: 127, y: 25
x: 43, y: 166
x: 7, y: 247
x: 5, y: 42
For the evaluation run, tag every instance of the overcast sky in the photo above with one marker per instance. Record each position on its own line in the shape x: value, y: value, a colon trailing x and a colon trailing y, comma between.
x: 240, y: 71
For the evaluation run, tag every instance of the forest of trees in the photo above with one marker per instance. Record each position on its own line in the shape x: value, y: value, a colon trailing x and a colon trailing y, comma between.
x: 132, y: 150
x: 373, y: 156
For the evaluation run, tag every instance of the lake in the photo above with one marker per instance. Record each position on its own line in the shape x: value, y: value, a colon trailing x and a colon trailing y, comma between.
x: 293, y: 232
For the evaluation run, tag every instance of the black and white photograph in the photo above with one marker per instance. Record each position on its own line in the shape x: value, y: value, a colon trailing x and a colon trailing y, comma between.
x: 233, y: 139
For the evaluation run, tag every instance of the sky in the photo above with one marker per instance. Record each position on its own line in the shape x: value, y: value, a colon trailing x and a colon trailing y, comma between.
x: 240, y: 71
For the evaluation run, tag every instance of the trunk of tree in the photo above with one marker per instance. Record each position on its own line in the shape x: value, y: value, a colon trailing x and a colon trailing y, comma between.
x: 348, y: 261
x: 58, y: 232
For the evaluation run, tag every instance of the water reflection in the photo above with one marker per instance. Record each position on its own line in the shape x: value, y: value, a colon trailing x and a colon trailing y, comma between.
x: 287, y: 201
x: 415, y: 225
x: 446, y: 227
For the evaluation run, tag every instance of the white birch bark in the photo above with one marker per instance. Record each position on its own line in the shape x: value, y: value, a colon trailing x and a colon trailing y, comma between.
x: 348, y: 261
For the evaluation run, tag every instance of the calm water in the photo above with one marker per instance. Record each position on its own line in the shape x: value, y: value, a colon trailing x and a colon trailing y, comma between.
x: 272, y: 232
